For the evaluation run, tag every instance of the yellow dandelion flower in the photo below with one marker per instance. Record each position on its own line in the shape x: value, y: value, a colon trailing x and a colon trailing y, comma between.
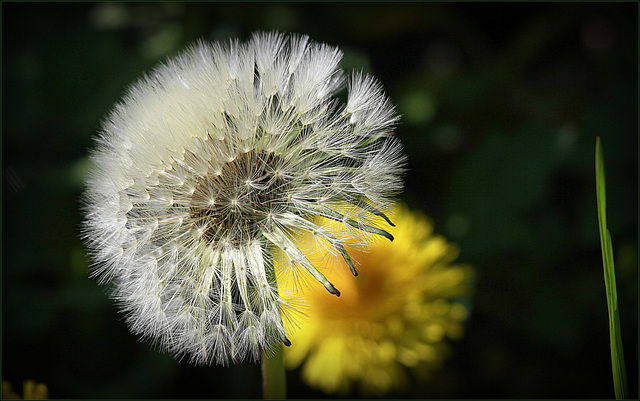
x: 407, y: 299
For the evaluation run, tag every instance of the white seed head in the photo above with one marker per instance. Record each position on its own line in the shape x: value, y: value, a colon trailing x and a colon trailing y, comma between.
x: 216, y: 159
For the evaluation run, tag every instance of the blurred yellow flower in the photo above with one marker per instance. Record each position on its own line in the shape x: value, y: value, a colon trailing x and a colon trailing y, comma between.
x: 30, y: 391
x: 397, y: 313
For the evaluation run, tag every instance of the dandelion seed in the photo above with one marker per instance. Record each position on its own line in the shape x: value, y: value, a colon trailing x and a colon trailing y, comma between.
x: 217, y: 158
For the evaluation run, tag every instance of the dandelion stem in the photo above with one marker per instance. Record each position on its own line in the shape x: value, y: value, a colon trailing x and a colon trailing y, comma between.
x: 274, y: 384
x: 274, y: 381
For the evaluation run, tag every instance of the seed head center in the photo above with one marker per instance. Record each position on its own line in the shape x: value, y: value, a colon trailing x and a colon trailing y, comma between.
x: 232, y: 203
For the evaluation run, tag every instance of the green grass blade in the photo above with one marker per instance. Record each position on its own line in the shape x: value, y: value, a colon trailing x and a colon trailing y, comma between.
x: 617, y: 355
x: 601, y: 197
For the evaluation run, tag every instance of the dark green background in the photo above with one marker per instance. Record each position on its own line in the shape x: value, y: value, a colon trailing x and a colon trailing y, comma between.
x: 502, y: 104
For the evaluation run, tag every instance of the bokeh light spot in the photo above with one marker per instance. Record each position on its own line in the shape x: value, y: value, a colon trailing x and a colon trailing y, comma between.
x: 418, y: 107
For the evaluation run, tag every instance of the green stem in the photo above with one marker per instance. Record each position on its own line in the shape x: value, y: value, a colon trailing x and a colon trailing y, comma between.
x: 274, y: 380
x: 274, y: 384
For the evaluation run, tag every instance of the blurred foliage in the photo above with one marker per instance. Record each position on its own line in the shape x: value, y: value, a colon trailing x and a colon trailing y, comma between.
x: 501, y: 103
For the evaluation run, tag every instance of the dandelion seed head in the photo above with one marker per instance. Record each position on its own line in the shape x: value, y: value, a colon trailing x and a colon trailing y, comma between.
x: 215, y: 160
